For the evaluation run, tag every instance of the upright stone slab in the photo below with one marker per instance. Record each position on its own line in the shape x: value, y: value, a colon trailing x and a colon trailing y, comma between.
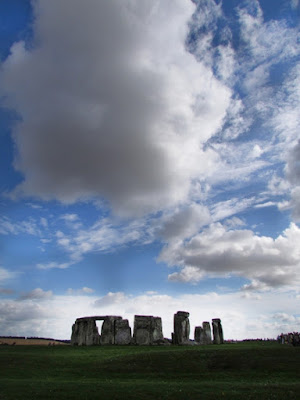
x: 142, y: 330
x: 108, y: 330
x: 157, y: 336
x: 217, y: 331
x: 206, y: 332
x: 181, y: 328
x: 203, y: 333
x: 122, y: 332
x: 85, y: 332
x: 198, y: 334
x: 147, y: 330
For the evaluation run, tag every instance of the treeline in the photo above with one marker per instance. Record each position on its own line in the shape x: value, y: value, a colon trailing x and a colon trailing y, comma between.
x: 35, y: 338
x: 51, y: 339
x: 12, y: 337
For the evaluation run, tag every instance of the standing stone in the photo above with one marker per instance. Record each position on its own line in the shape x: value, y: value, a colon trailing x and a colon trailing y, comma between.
x: 122, y: 332
x: 198, y: 334
x: 85, y: 332
x: 108, y: 330
x: 181, y: 328
x: 157, y: 336
x: 147, y: 330
x: 203, y: 333
x: 217, y: 331
x: 142, y: 328
x: 206, y: 332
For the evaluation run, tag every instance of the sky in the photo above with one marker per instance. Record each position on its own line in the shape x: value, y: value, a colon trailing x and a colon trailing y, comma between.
x: 150, y: 163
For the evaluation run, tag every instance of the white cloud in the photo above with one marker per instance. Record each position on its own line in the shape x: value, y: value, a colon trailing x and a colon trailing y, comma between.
x: 105, y: 235
x: 183, y: 223
x: 36, y: 294
x: 278, y: 186
x: 110, y: 109
x: 219, y: 252
x: 53, y: 264
x: 70, y: 217
x: 292, y: 171
x: 187, y: 274
x: 5, y: 274
x: 82, y: 291
x: 228, y: 208
x: 264, y: 205
x: 44, y: 222
x: 293, y: 165
x: 29, y: 226
x: 110, y: 299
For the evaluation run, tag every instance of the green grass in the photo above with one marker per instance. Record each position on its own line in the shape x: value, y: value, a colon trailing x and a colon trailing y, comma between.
x: 231, y: 371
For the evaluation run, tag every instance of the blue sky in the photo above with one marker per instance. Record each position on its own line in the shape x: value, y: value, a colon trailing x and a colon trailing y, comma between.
x: 150, y: 163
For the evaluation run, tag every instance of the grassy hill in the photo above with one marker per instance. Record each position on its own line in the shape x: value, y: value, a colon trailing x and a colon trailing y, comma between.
x: 231, y: 371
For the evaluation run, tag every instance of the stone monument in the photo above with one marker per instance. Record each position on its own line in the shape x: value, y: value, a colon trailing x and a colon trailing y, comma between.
x: 203, y: 333
x: 181, y: 333
x: 217, y: 331
x: 147, y: 330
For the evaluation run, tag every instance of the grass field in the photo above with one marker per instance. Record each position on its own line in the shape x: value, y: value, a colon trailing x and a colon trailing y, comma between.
x: 231, y: 371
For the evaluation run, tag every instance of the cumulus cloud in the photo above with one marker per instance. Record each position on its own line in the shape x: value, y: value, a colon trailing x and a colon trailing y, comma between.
x: 110, y: 299
x: 293, y: 165
x: 292, y: 171
x: 183, y: 223
x: 36, y: 294
x: 110, y: 109
x: 219, y: 251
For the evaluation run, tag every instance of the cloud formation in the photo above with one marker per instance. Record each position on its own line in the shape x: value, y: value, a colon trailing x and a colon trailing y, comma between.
x: 6, y: 274
x: 110, y: 109
x: 219, y: 251
x: 37, y: 294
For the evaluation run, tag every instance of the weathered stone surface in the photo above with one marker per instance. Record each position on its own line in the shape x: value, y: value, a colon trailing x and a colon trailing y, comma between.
x: 206, y: 332
x: 147, y: 330
x: 217, y: 331
x: 122, y: 332
x: 181, y: 328
x: 108, y: 330
x: 85, y: 332
x: 142, y: 328
x: 156, y: 331
x: 203, y: 333
x: 198, y: 334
